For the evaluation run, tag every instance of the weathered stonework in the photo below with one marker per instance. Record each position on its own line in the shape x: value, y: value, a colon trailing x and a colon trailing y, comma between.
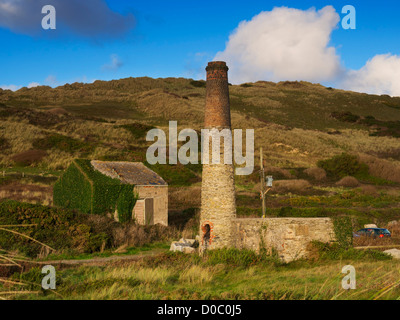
x: 218, y: 207
x: 289, y: 237
x: 219, y: 227
x: 152, y: 205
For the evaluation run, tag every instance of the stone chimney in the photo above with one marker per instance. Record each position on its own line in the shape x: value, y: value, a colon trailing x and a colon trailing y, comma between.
x: 218, y: 206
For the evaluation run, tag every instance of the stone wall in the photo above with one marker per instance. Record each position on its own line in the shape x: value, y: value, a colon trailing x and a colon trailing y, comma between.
x: 288, y: 236
x: 159, y: 204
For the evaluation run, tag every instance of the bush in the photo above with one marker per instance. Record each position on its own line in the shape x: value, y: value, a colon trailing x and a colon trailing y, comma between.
x: 316, y: 173
x: 134, y: 235
x: 327, y: 251
x: 61, y: 142
x: 28, y: 158
x: 198, y: 84
x: 4, y: 144
x: 345, y: 116
x: 55, y: 227
x: 138, y: 130
x: 348, y: 182
x: 369, y: 190
x: 343, y: 165
x: 343, y: 229
x: 175, y: 175
x: 382, y: 168
x: 237, y: 257
x: 283, y: 186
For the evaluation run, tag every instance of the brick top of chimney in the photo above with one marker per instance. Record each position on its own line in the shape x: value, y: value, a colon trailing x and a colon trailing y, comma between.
x: 217, y: 70
x: 217, y: 111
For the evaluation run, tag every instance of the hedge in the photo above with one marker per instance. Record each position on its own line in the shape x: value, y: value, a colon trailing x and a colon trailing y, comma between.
x: 56, y: 227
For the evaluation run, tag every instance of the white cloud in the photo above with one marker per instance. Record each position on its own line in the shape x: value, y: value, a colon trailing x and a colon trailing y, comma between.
x: 11, y: 87
x: 51, y: 80
x: 284, y: 44
x: 33, y: 85
x: 115, y: 64
x: 380, y: 75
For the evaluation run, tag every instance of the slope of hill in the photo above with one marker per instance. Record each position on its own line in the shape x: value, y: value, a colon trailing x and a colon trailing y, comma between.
x: 297, y: 123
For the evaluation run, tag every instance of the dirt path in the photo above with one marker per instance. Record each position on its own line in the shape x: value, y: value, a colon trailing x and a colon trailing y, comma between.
x: 100, y: 261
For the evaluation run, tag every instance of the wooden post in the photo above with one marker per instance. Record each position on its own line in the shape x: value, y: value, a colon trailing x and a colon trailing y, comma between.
x: 262, y: 177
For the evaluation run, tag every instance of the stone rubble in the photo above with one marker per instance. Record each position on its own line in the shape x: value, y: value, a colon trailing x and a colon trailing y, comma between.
x: 185, y: 245
x: 395, y: 253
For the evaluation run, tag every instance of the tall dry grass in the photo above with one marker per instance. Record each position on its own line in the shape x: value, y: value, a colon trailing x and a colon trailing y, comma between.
x: 295, y: 185
x: 349, y: 182
x: 316, y: 173
x: 382, y: 168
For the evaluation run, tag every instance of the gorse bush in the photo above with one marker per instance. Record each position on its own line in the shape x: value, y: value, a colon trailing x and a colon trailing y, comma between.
x: 346, y: 116
x: 348, y: 182
x: 63, y: 143
x: 343, y: 165
x: 55, y: 227
x: 176, y: 175
x: 138, y: 130
x: 198, y: 83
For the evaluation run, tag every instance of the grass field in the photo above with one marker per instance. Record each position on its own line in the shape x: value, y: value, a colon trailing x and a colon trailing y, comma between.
x: 224, y: 275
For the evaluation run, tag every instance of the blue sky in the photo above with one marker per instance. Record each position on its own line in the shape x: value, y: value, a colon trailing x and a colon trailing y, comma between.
x: 176, y: 39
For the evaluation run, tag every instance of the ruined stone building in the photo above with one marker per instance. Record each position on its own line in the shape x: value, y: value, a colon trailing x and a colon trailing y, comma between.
x: 152, y: 204
x: 219, y: 226
x: 86, y: 186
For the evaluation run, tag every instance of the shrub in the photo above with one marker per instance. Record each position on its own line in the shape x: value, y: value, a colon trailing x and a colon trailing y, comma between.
x: 381, y: 168
x: 283, y: 186
x: 348, y: 182
x: 4, y: 144
x: 237, y: 257
x: 138, y: 130
x: 175, y: 175
x: 278, y: 173
x: 316, y: 173
x: 343, y: 165
x: 56, y: 227
x: 198, y: 84
x: 28, y: 158
x: 369, y: 190
x: 61, y: 142
x: 343, y: 229
x: 345, y: 116
x: 133, y: 235
x: 332, y: 251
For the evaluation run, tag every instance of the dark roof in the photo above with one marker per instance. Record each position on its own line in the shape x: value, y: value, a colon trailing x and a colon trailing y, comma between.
x: 135, y: 173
